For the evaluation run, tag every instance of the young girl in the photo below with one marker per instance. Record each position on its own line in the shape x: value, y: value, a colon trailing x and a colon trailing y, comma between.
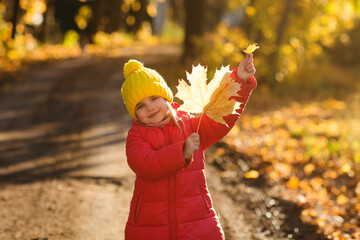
x: 171, y: 199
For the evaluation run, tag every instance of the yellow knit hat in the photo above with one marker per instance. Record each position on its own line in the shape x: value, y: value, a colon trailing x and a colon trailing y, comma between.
x: 141, y: 82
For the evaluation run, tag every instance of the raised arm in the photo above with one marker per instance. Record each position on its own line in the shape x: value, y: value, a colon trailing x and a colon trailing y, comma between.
x: 211, y: 131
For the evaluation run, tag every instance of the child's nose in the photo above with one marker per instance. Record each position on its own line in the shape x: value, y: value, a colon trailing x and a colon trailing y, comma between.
x: 150, y: 108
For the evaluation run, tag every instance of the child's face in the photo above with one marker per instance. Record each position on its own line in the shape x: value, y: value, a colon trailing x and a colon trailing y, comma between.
x: 152, y: 110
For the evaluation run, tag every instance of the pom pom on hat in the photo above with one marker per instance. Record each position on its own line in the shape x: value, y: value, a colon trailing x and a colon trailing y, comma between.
x: 131, y: 66
x: 141, y: 82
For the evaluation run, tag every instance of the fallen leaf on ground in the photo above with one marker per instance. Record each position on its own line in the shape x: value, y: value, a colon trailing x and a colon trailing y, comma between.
x: 252, y: 174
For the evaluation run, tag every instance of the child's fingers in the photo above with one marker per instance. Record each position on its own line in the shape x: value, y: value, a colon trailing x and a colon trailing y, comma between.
x: 249, y: 61
x: 252, y: 71
x: 195, y: 147
x: 249, y: 65
x: 250, y: 68
x: 194, y: 140
x: 195, y: 136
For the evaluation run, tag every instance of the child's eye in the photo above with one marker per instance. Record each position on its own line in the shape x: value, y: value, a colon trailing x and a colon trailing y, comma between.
x: 154, y: 98
x: 138, y: 107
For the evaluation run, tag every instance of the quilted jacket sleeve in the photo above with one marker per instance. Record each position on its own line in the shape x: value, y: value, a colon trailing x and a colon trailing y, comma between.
x: 211, y: 131
x: 153, y: 164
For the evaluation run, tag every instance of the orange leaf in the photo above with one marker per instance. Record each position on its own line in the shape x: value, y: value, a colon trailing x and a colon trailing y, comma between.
x: 342, y: 199
x: 252, y: 174
x: 293, y: 183
x: 220, y: 151
x: 309, y: 168
x: 316, y: 183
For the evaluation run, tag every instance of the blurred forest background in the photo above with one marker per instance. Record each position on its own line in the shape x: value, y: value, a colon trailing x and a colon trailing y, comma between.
x: 309, y: 53
x: 306, y: 43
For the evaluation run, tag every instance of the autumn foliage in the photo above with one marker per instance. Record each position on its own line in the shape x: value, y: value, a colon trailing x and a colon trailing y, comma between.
x: 211, y: 99
x: 309, y: 49
x: 313, y: 151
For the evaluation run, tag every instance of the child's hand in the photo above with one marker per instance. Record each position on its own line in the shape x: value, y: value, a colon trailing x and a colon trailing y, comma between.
x: 246, y: 68
x: 192, y: 144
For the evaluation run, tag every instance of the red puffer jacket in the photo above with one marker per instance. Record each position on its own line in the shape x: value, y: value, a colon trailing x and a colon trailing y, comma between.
x: 171, y: 200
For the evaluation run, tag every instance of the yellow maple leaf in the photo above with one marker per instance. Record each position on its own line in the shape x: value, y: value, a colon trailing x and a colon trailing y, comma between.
x: 211, y: 99
x: 251, y: 48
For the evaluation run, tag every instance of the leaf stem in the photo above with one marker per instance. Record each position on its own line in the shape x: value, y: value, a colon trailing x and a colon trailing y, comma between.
x: 198, y: 127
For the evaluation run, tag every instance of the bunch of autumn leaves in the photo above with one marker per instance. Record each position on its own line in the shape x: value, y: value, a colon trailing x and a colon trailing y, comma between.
x: 211, y: 99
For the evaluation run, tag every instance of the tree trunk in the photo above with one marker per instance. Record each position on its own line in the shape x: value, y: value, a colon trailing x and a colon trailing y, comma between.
x: 178, y: 13
x: 97, y: 11
x: 279, y: 38
x: 246, y: 23
x: 194, y: 10
x: 14, y: 18
x: 44, y: 26
x: 213, y: 14
x: 65, y: 12
x: 140, y: 16
x: 284, y: 21
x: 116, y: 16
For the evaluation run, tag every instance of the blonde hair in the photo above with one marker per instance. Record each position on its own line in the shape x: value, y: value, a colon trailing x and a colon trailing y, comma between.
x: 174, y: 116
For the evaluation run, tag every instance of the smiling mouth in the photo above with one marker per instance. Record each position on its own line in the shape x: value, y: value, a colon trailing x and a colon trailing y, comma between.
x: 152, y: 115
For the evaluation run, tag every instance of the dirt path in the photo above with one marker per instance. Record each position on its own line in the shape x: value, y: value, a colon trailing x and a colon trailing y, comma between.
x: 63, y: 171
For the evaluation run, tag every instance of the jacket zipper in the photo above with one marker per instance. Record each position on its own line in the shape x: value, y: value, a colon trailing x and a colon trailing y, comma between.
x: 172, y: 208
x: 172, y: 223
